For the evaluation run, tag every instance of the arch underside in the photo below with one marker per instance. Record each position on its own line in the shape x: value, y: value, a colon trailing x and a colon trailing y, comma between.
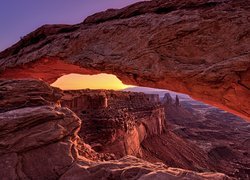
x: 201, y: 51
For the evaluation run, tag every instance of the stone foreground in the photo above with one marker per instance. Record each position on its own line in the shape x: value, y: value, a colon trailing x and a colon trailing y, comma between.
x: 39, y: 140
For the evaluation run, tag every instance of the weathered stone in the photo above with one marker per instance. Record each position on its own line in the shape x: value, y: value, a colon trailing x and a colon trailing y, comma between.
x: 37, y: 138
x: 167, y: 99
x: 15, y: 94
x: 177, y: 101
x: 41, y: 142
x: 201, y: 137
x: 133, y: 168
x: 196, y: 47
x: 120, y: 125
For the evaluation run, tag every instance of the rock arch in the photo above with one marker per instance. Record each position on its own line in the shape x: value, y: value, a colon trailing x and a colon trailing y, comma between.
x: 200, y: 48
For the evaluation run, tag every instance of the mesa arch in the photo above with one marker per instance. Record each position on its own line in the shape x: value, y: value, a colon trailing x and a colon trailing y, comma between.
x: 196, y: 47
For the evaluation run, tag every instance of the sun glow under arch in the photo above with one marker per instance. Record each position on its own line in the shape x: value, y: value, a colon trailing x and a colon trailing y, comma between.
x: 99, y: 81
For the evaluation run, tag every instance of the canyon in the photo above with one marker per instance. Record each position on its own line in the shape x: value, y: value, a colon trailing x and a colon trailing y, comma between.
x: 48, y: 133
x: 196, y: 47
x: 201, y: 137
x: 39, y: 140
x: 178, y: 132
x: 115, y: 121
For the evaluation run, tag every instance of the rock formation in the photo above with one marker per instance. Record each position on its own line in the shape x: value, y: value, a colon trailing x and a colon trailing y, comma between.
x: 35, y: 134
x: 177, y: 101
x: 196, y: 47
x: 196, y: 131
x: 167, y: 99
x: 131, y: 123
x: 119, y: 126
x: 40, y: 141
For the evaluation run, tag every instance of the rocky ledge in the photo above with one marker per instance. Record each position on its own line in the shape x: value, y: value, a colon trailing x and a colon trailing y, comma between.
x: 40, y: 141
x: 197, y: 47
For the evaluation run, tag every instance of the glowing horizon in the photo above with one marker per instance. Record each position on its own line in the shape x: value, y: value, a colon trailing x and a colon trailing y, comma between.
x: 99, y: 81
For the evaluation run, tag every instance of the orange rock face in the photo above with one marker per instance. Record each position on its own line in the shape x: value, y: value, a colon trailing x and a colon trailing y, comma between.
x: 200, y: 137
x: 180, y: 133
x: 35, y: 133
x: 115, y: 121
x: 39, y: 140
x: 196, y: 47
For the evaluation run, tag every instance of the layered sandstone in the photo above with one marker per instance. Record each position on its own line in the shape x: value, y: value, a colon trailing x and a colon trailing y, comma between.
x: 196, y: 47
x: 40, y: 141
x: 202, y: 137
x: 37, y: 138
x: 114, y: 121
x: 131, y: 123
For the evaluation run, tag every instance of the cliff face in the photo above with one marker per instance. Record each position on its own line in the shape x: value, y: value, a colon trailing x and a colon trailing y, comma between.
x: 171, y: 132
x: 202, y: 137
x: 35, y: 134
x: 196, y: 47
x: 40, y: 141
x: 116, y: 122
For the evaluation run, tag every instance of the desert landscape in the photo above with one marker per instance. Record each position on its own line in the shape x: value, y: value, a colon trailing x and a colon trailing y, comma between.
x: 196, y: 126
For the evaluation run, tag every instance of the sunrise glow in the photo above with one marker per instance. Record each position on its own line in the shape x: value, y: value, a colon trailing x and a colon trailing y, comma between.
x: 100, y: 81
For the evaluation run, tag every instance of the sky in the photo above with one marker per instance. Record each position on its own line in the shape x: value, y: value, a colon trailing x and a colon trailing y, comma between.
x: 20, y: 17
x: 99, y: 81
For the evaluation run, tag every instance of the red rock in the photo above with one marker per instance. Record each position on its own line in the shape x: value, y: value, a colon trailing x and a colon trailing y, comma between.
x: 132, y: 167
x: 115, y: 121
x: 135, y: 124
x: 40, y: 141
x: 38, y: 138
x: 196, y: 47
x: 202, y: 137
x: 167, y: 99
x: 15, y: 94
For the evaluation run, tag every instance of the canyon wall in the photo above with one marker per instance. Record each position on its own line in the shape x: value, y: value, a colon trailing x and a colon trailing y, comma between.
x: 201, y: 137
x: 39, y: 140
x: 196, y: 47
x: 115, y: 121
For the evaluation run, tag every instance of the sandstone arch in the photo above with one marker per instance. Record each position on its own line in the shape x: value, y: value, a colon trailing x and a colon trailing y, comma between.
x: 196, y: 47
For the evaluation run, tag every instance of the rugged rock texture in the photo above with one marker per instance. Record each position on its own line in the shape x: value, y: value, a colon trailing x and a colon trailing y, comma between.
x: 115, y: 121
x: 202, y: 137
x: 133, y: 168
x: 198, y: 47
x: 197, y: 137
x: 37, y: 138
x: 176, y: 151
x: 40, y: 141
x: 15, y: 94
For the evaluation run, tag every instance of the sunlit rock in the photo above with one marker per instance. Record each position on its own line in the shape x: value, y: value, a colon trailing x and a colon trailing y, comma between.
x: 200, y: 48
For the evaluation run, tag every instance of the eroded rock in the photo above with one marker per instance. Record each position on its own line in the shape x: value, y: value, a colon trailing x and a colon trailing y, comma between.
x: 196, y: 47
x: 133, y: 168
x: 41, y: 142
x: 115, y: 121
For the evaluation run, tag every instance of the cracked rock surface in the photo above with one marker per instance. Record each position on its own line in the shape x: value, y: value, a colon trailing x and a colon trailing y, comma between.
x: 196, y: 47
x: 40, y: 141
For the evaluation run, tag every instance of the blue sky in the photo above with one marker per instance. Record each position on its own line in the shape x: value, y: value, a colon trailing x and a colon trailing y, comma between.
x: 19, y: 17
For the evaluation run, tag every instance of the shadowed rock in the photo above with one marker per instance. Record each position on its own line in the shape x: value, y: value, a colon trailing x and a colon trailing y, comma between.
x: 196, y: 47
x: 119, y: 122
x: 40, y: 141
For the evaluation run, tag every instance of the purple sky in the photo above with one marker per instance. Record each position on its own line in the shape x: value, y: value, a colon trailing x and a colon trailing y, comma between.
x: 19, y: 17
